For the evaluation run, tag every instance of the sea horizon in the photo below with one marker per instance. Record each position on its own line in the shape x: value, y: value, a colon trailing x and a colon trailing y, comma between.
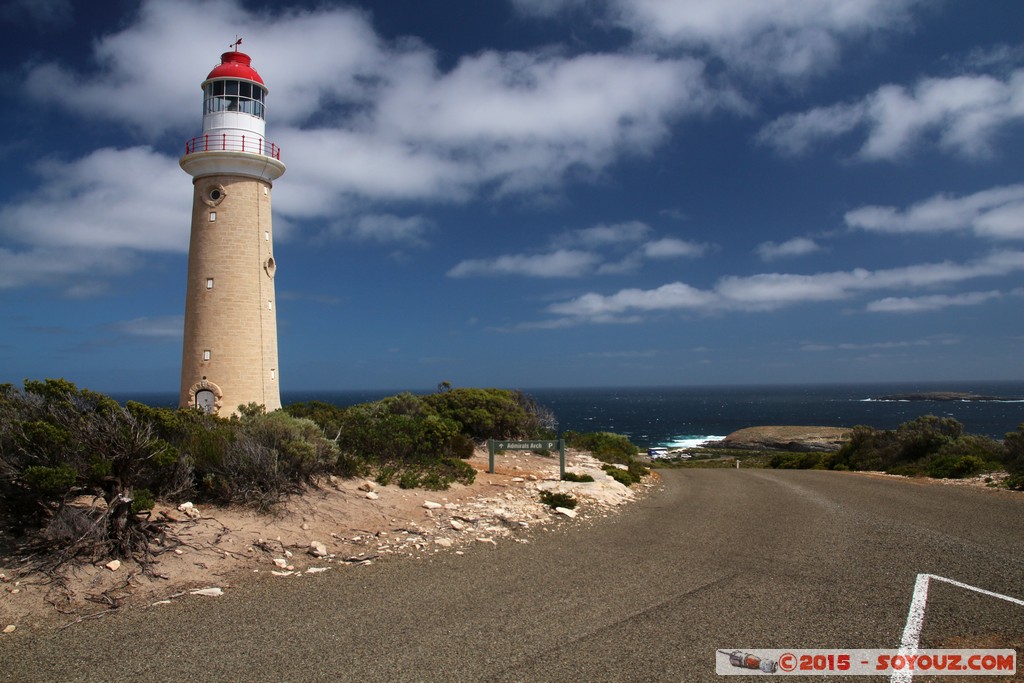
x: 681, y: 415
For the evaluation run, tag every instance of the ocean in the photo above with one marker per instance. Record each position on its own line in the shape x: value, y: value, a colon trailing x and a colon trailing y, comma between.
x: 680, y: 416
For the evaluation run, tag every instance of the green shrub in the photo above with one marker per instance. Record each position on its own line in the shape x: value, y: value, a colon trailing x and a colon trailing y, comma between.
x: 605, y: 446
x: 59, y: 442
x: 621, y: 476
x: 409, y: 479
x: 572, y: 476
x: 50, y: 480
x: 385, y: 474
x: 554, y: 499
x: 955, y: 467
x: 798, y: 461
x: 928, y: 445
x: 908, y: 470
x: 142, y: 501
x: 492, y: 413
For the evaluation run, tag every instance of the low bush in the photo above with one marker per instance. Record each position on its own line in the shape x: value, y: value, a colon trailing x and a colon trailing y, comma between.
x: 605, y: 446
x: 581, y: 478
x: 634, y: 473
x: 621, y: 476
x: 929, y: 446
x: 554, y: 499
x: 60, y: 445
x: 798, y: 461
x: 492, y: 413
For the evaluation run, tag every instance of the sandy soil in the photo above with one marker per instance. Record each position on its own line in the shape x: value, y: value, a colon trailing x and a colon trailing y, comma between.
x: 355, y: 520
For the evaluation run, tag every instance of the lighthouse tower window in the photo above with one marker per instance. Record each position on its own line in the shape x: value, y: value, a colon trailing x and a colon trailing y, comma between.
x: 230, y: 95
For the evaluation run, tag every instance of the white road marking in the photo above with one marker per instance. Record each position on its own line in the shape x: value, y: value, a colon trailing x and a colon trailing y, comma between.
x: 915, y: 617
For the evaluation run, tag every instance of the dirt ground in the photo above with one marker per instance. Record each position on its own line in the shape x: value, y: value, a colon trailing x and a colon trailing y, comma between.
x: 344, y: 523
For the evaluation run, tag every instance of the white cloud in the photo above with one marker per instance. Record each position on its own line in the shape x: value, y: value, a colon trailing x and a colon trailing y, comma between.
x: 368, y: 119
x: 997, y: 213
x: 579, y: 252
x: 561, y: 263
x: 673, y: 296
x: 781, y: 38
x: 795, y: 134
x: 158, y: 327
x: 798, y: 246
x: 672, y: 247
x: 934, y: 302
x: 939, y: 340
x: 962, y: 114
x: 111, y: 199
x: 76, y: 270
x: 366, y: 122
x: 772, y: 291
x: 383, y: 229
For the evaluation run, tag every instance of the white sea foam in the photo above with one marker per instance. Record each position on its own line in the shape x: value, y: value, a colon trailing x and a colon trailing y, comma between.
x: 690, y: 441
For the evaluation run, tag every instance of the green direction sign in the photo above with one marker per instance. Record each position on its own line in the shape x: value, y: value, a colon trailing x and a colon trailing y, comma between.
x: 527, y: 445
x: 534, y: 445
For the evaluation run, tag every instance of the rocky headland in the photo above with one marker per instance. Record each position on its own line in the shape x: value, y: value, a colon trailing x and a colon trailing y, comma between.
x: 785, y: 438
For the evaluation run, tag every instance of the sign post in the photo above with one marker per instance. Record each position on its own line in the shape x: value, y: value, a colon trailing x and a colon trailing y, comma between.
x: 534, y: 445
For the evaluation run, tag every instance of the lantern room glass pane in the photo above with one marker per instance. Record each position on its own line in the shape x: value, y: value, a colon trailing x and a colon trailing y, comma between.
x: 231, y: 87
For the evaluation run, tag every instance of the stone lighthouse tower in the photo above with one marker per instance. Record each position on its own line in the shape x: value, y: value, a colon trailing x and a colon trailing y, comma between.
x: 230, y: 348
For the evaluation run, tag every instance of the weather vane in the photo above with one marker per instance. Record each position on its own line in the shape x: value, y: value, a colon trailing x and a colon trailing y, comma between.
x: 238, y: 41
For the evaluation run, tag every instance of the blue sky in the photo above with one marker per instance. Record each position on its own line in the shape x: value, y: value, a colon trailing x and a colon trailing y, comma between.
x: 530, y: 193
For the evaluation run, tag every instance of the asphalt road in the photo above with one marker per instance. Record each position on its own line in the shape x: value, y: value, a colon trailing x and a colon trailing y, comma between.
x: 717, y: 559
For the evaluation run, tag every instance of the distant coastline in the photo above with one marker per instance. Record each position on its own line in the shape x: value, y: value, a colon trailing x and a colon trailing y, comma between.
x: 945, y: 396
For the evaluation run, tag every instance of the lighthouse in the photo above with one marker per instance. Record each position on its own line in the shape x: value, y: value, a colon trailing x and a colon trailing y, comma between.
x: 229, y: 355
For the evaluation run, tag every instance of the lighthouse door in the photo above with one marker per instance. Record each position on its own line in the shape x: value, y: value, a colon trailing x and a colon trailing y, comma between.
x: 205, y: 401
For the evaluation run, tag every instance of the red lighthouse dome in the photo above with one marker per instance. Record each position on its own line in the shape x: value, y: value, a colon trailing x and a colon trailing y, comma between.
x: 235, y: 64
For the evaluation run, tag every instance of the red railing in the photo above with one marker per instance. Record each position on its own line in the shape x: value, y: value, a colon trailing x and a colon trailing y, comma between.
x: 222, y: 142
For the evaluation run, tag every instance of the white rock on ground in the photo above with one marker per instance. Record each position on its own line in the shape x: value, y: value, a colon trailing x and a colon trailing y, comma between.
x: 317, y: 549
x: 603, y: 490
x: 190, y: 510
x: 567, y: 512
x: 431, y: 505
x: 113, y: 565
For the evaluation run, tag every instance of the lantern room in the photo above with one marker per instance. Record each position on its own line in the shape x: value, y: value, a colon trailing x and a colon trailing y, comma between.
x: 234, y: 98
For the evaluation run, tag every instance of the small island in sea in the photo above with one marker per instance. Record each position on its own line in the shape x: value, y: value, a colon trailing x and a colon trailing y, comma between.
x: 944, y: 396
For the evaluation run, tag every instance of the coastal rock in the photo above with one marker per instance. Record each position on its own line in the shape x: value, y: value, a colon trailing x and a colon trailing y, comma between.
x: 431, y: 505
x: 317, y: 549
x: 571, y: 514
x: 208, y: 592
x: 786, y: 438
x: 372, y: 495
x: 190, y: 510
x: 281, y: 562
x: 113, y: 565
x: 368, y: 486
